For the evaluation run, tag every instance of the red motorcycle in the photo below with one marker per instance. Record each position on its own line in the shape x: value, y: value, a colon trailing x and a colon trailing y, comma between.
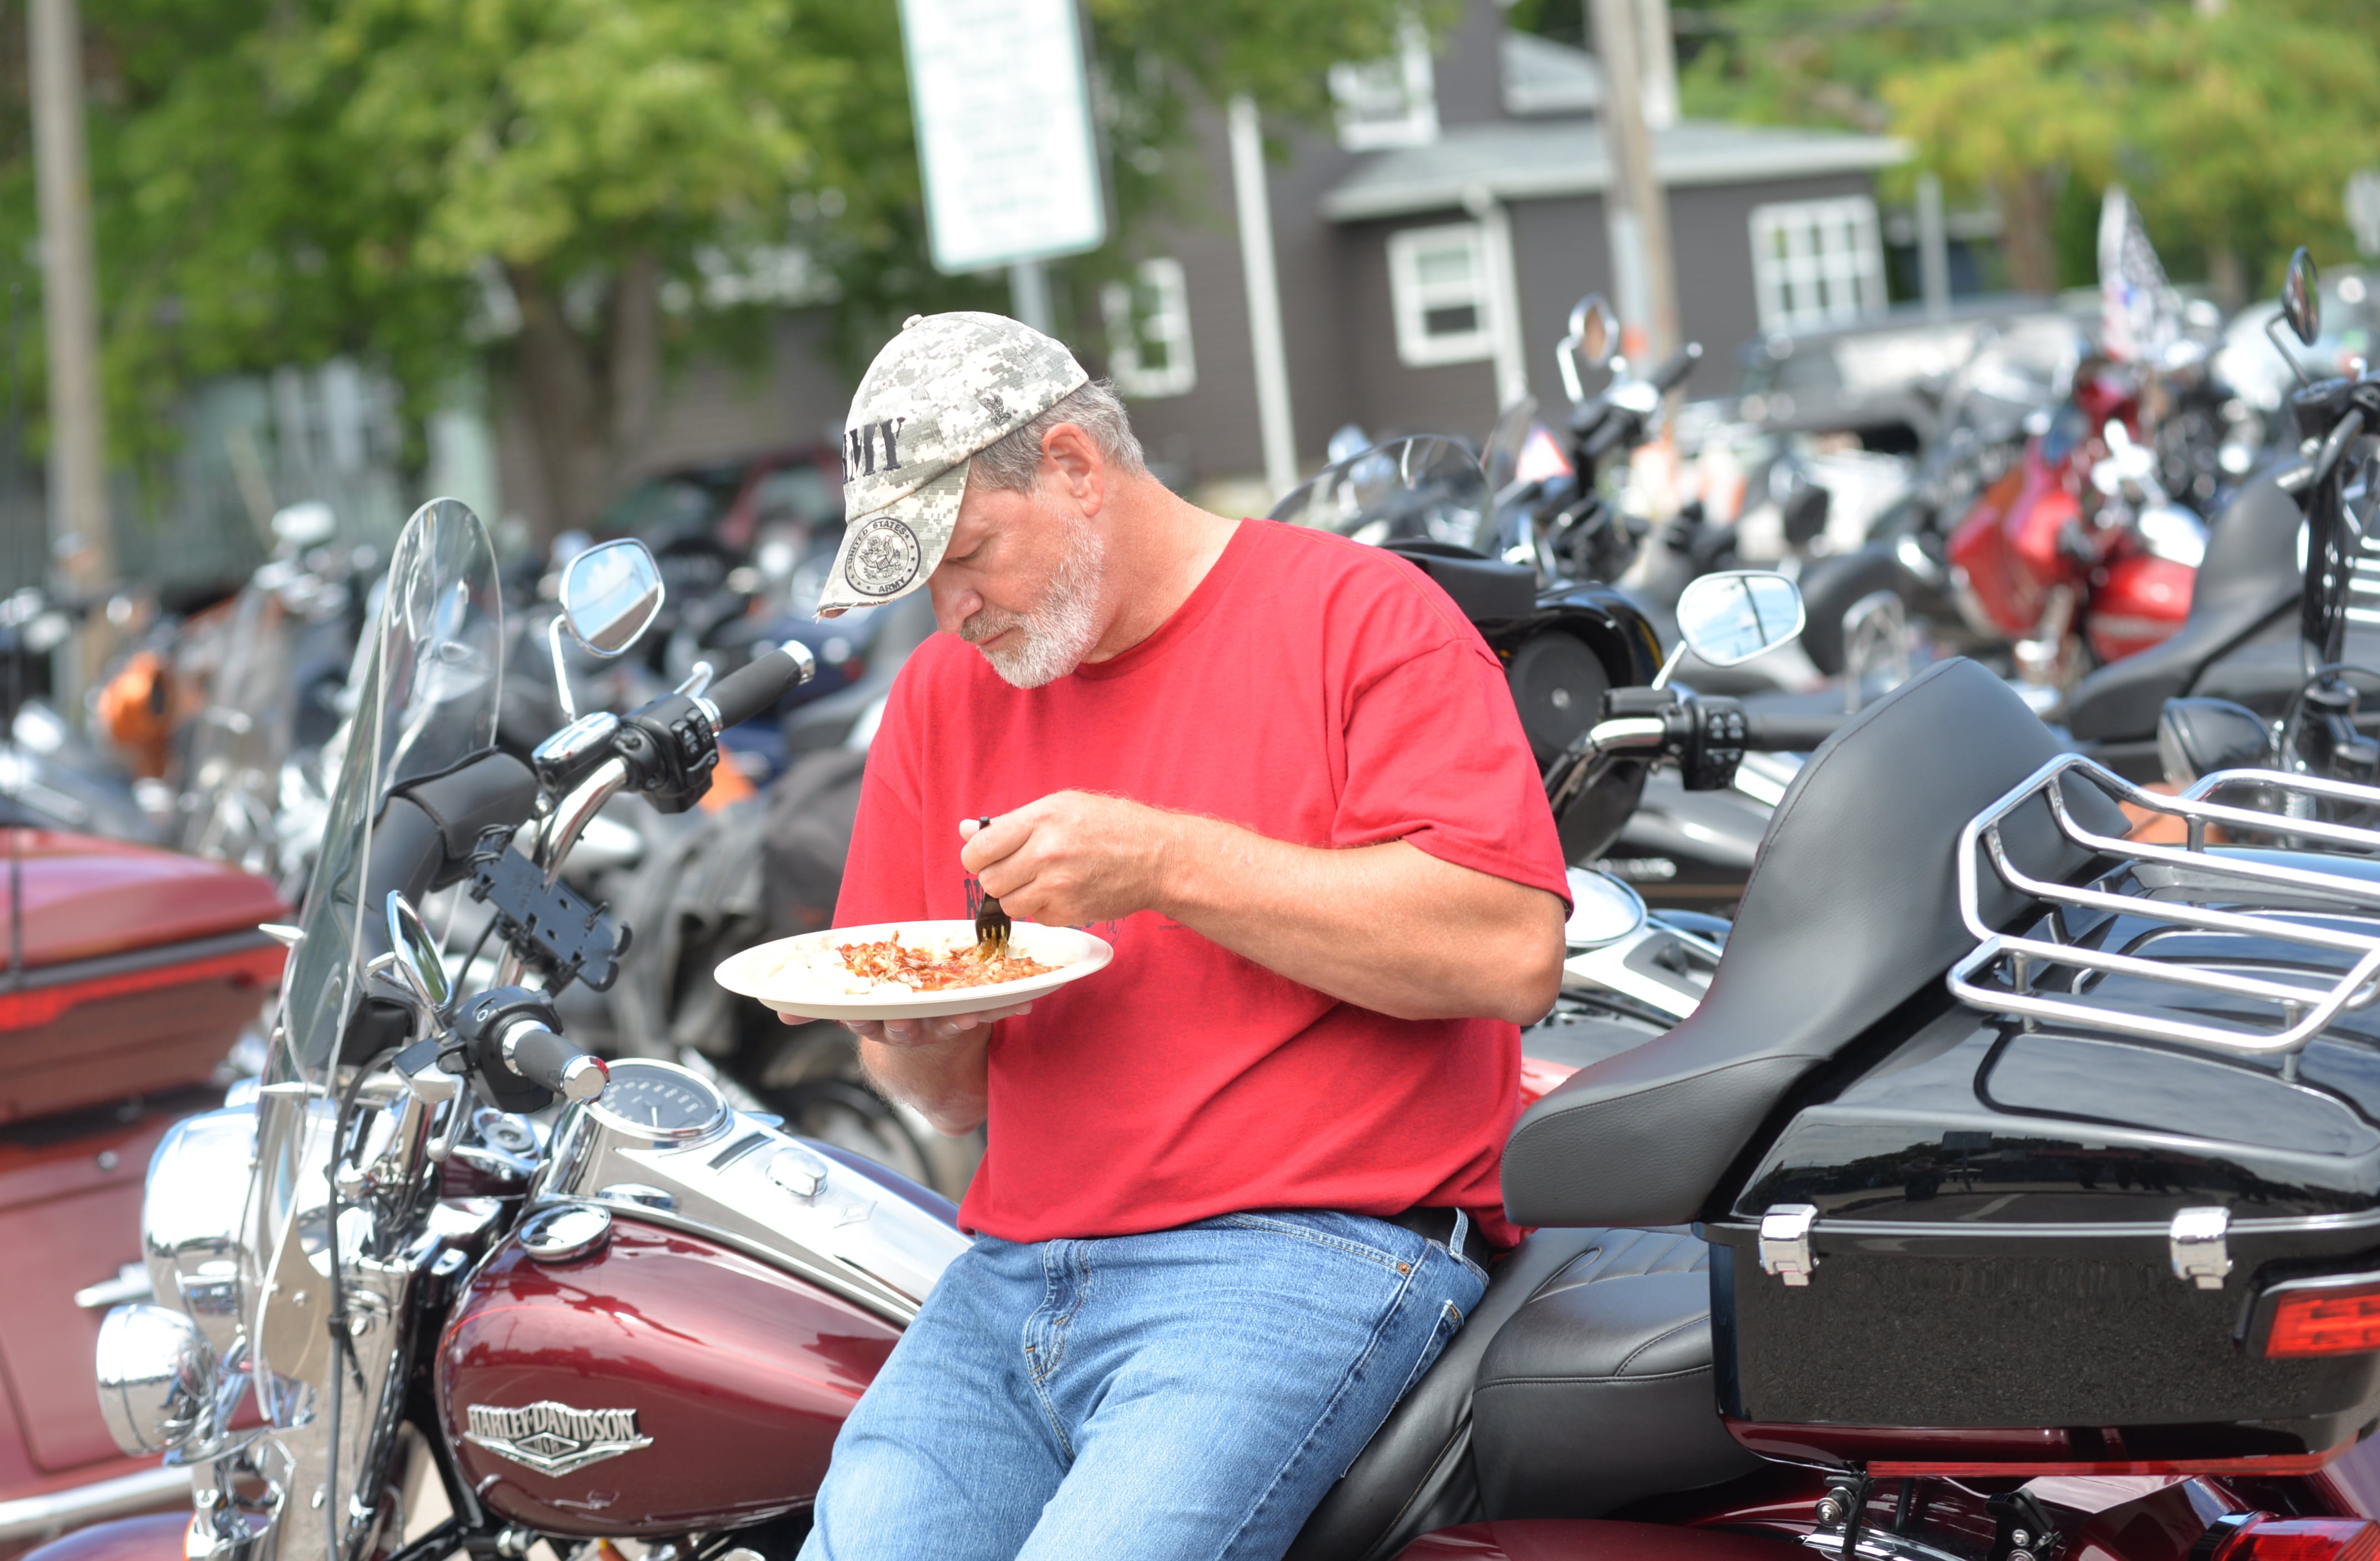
x: 2077, y: 546
x: 128, y: 973
x: 1995, y: 1257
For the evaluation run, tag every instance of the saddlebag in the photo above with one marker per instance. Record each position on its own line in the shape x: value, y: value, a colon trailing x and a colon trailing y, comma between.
x: 2110, y: 1197
x: 124, y: 971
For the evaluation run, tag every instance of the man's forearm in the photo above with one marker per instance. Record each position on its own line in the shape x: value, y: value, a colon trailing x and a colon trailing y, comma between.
x: 944, y: 1079
x: 1388, y: 927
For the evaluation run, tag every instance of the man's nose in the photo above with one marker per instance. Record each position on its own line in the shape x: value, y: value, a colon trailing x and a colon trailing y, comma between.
x: 953, y: 605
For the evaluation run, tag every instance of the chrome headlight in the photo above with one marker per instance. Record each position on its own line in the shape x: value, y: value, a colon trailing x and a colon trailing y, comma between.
x: 156, y: 1378
x: 192, y: 1217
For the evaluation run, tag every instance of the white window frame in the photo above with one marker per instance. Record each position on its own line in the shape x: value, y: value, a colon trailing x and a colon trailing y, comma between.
x: 1168, y: 322
x: 1816, y: 263
x: 1389, y: 103
x: 1411, y: 298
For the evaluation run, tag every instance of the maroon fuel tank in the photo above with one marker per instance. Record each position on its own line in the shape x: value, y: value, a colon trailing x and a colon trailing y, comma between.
x: 662, y: 1383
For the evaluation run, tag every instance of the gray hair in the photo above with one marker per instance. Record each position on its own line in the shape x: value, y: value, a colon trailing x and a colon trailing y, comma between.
x: 1012, y: 464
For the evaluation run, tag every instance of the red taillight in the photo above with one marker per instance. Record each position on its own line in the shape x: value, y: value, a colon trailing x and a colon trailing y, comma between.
x: 2317, y: 1322
x: 2302, y: 1539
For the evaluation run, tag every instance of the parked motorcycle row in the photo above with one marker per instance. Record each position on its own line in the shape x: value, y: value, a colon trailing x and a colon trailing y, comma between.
x: 1999, y: 1182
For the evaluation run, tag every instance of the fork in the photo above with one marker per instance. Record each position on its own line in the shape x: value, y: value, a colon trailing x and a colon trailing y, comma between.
x: 990, y: 921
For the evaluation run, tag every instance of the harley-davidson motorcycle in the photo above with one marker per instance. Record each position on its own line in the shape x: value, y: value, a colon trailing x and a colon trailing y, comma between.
x: 2012, y: 1195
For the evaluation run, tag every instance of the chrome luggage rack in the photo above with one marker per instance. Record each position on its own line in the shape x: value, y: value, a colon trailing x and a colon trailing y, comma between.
x: 2052, y: 979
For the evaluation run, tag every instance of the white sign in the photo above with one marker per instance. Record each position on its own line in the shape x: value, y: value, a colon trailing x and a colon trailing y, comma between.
x: 1004, y: 125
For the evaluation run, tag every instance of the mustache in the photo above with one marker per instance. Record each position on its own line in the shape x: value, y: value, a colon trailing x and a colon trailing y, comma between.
x: 984, y: 623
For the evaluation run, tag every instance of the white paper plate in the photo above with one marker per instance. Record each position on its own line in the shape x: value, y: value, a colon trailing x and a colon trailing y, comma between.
x: 763, y: 972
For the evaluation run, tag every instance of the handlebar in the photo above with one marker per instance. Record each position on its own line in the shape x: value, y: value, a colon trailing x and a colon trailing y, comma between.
x: 1771, y: 733
x: 1665, y: 377
x: 752, y: 688
x: 551, y: 1061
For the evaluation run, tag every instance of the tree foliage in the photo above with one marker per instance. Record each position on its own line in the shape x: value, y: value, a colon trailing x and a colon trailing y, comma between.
x: 570, y: 189
x: 2236, y: 132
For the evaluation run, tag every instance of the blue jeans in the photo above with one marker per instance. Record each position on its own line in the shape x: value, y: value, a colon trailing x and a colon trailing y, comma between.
x: 1188, y: 1393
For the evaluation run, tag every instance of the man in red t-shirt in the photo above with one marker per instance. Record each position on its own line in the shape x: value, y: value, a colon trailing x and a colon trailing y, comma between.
x: 1235, y: 1182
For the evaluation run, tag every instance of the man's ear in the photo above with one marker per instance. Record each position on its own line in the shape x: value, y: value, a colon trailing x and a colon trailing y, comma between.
x: 1076, y: 463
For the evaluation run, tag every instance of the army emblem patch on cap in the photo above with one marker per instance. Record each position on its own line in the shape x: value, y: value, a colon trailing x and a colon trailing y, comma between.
x: 881, y: 558
x: 945, y: 387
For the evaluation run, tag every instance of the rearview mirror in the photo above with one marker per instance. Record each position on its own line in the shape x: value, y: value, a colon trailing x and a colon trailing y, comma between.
x: 610, y: 594
x: 1594, y: 337
x: 413, y: 954
x: 2302, y: 297
x: 1729, y: 618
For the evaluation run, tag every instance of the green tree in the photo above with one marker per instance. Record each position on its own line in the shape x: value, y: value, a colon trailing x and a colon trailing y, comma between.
x: 2235, y: 132
x: 571, y: 190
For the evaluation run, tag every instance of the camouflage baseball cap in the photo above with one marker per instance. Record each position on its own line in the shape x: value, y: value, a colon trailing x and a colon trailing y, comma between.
x: 948, y: 385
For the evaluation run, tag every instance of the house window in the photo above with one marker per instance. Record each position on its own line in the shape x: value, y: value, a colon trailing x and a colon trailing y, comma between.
x: 1148, y: 331
x: 1438, y: 285
x: 1388, y: 103
x: 1816, y: 262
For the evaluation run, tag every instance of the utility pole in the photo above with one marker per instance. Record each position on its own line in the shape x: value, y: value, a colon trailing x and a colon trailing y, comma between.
x: 84, y: 548
x: 1276, y: 431
x: 1636, y: 210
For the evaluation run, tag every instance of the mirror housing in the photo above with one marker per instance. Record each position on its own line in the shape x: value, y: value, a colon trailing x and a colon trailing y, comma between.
x: 1594, y: 338
x: 414, y: 955
x: 2197, y: 737
x: 610, y: 594
x: 2302, y: 297
x: 1729, y: 618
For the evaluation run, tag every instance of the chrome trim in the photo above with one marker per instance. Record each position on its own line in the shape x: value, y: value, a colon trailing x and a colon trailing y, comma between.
x: 2007, y: 972
x: 131, y: 1283
x: 38, y: 1516
x: 861, y: 1239
x: 553, y: 1438
x: 1609, y: 968
x: 1785, y: 1242
x: 2198, y: 1244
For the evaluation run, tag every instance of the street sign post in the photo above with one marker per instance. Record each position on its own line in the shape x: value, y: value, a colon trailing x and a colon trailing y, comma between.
x: 1004, y: 138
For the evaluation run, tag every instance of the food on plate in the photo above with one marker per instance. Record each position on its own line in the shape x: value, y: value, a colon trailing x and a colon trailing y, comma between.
x: 923, y: 969
x: 887, y: 964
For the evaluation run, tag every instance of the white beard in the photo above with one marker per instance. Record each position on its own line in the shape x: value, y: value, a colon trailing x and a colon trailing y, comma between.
x: 1050, y: 640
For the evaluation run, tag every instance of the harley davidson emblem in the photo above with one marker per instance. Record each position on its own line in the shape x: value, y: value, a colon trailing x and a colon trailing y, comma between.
x: 555, y: 1439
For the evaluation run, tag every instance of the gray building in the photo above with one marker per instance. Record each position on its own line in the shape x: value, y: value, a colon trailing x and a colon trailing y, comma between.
x: 1428, y: 255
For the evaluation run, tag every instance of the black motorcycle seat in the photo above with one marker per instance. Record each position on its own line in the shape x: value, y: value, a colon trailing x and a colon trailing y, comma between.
x: 1598, y: 1392
x: 1852, y: 908
x: 2251, y: 572
x: 1416, y: 1474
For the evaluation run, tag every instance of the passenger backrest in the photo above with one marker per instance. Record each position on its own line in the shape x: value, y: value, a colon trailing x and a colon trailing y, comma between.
x: 1853, y: 906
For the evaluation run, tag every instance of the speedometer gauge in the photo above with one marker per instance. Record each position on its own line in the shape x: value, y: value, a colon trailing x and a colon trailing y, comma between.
x: 659, y: 1100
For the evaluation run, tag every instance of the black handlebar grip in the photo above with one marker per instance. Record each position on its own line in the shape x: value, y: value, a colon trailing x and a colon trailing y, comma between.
x: 553, y: 1062
x: 1774, y: 733
x: 1666, y: 376
x: 1615, y: 428
x: 752, y: 688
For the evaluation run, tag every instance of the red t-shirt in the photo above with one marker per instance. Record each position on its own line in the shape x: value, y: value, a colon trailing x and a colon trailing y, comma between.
x: 1313, y: 690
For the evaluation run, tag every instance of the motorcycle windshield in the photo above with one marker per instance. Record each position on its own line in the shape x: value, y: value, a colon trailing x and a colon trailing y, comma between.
x: 429, y: 677
x: 1427, y: 488
x: 427, y: 700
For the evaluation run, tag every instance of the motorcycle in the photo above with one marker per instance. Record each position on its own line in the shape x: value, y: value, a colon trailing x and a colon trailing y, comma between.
x: 128, y: 973
x: 2140, y: 1228
x: 2245, y: 641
